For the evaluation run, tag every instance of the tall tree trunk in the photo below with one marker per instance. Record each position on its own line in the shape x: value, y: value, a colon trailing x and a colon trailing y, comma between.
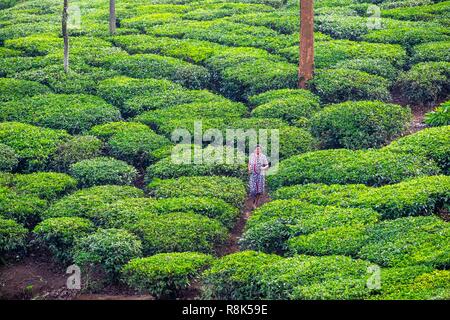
x: 306, y: 58
x: 65, y: 16
x: 112, y: 17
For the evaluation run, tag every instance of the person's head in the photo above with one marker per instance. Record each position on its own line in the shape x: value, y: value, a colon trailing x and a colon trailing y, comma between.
x: 258, y: 149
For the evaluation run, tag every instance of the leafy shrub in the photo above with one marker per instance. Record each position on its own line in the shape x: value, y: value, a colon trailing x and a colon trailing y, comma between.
x: 74, y: 113
x: 337, y: 85
x: 103, y: 170
x: 230, y: 189
x: 363, y: 124
x: 432, y: 51
x: 440, y: 116
x: 378, y: 67
x: 12, y: 235
x: 159, y: 67
x: 342, y: 166
x: 7, y: 53
x: 283, y: 277
x: 342, y: 289
x: 12, y: 89
x: 424, y: 195
x: 273, y: 224
x: 59, y: 235
x: 408, y: 36
x: 408, y: 241
x: 232, y: 277
x: 33, y: 145
x: 76, y: 149
x: 426, y: 82
x: 128, y: 211
x: 8, y: 158
x: 108, y: 130
x: 178, y: 232
x: 344, y: 240
x: 86, y: 202
x: 109, y: 249
x: 165, y: 274
x: 433, y: 143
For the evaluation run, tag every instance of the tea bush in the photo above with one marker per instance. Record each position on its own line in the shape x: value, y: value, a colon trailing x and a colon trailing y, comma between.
x: 378, y: 67
x: 233, y: 277
x: 12, y: 235
x: 32, y: 145
x: 357, y: 125
x: 342, y: 166
x: 230, y: 189
x: 103, y: 170
x: 408, y: 36
x: 86, y: 202
x: 179, y: 232
x: 8, y: 158
x: 418, y: 196
x: 431, y: 51
x: 165, y: 274
x: 337, y: 85
x: 13, y: 89
x: 108, y: 249
x: 59, y: 235
x: 74, y: 113
x: 440, y: 116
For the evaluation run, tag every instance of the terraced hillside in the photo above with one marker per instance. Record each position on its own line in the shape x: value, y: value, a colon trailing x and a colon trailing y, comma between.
x: 357, y: 208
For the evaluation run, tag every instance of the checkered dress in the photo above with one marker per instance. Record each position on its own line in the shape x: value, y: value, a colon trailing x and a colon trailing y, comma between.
x: 257, y: 176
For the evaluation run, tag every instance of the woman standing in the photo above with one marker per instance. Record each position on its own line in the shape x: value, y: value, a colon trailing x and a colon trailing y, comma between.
x: 257, y: 167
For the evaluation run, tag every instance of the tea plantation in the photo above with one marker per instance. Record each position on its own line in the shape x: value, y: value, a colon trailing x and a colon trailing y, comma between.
x: 87, y: 177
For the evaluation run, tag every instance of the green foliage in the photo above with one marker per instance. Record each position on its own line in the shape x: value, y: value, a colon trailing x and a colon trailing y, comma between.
x: 337, y: 85
x: 440, y: 116
x: 86, y: 202
x: 357, y: 125
x: 13, y: 89
x: 8, y: 158
x: 12, y: 235
x: 433, y: 143
x: 59, y: 235
x: 431, y: 51
x: 33, y: 145
x: 103, y: 170
x: 408, y: 36
x: 342, y: 166
x: 230, y: 189
x: 74, y: 113
x: 109, y: 249
x: 425, y: 82
x: 341, y: 289
x: 233, y: 277
x: 378, y: 67
x: 418, y: 196
x: 76, y: 149
x: 179, y: 232
x: 165, y: 274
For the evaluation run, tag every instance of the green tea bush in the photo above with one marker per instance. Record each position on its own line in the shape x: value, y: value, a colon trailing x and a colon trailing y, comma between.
x: 418, y: 196
x: 230, y: 189
x: 8, y: 158
x: 434, y: 143
x: 337, y: 85
x: 74, y: 113
x: 273, y: 224
x: 8, y: 53
x: 362, y: 124
x: 341, y: 289
x: 159, y: 67
x: 378, y: 67
x: 408, y: 241
x: 76, y: 149
x: 408, y: 36
x: 12, y: 89
x: 35, y: 45
x: 343, y: 240
x: 342, y: 166
x: 12, y: 235
x: 165, y: 274
x: 86, y: 202
x: 179, y: 232
x: 426, y: 82
x: 440, y: 116
x: 25, y: 209
x: 103, y: 170
x: 108, y: 130
x: 233, y: 277
x: 342, y: 27
x: 282, y: 278
x: 59, y: 235
x: 285, y: 22
x: 431, y: 51
x: 33, y: 145
x: 108, y: 249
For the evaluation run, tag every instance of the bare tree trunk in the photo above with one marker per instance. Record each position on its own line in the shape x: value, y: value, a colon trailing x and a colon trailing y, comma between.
x: 306, y: 58
x: 65, y: 16
x: 112, y: 17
